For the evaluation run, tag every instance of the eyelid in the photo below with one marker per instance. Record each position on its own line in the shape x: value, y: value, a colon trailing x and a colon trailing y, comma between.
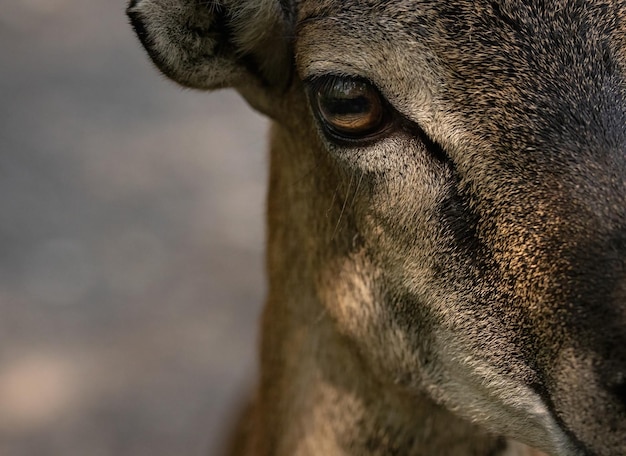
x: 319, y: 80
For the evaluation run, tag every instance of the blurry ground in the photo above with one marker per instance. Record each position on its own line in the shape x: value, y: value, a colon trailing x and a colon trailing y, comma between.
x: 131, y: 217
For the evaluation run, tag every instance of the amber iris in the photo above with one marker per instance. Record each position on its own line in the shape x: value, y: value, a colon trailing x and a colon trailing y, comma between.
x: 349, y: 108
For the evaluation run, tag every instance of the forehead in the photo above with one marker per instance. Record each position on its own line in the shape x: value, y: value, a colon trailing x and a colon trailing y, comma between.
x: 483, y: 34
x: 513, y: 55
x: 414, y: 15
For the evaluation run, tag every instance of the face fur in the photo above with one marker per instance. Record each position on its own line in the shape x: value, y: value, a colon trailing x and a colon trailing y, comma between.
x: 493, y: 200
x: 474, y: 152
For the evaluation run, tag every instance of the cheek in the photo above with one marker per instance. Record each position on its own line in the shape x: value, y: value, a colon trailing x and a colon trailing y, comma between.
x: 364, y: 313
x: 401, y: 221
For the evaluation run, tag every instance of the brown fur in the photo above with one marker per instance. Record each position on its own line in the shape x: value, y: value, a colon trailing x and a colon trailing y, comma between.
x: 458, y: 285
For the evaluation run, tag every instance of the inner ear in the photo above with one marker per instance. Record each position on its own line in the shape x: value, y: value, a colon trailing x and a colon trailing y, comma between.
x: 214, y: 44
x: 262, y: 31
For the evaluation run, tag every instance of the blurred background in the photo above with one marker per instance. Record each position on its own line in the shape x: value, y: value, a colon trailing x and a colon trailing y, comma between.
x: 131, y: 242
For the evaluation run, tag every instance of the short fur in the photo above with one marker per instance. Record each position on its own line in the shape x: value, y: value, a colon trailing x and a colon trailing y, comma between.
x: 459, y: 285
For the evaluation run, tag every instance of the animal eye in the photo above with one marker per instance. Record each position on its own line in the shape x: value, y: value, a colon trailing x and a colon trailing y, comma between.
x: 349, y: 109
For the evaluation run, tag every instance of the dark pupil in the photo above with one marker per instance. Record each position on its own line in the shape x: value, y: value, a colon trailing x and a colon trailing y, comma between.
x: 346, y: 106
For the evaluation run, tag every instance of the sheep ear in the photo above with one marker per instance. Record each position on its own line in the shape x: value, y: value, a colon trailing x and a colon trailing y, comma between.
x: 210, y: 44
